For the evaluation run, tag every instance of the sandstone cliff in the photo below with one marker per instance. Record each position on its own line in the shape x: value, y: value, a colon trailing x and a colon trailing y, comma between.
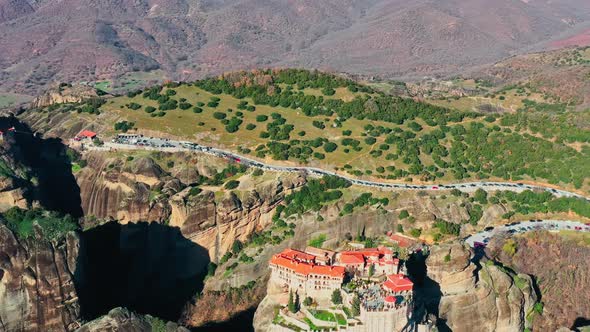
x: 473, y: 299
x: 37, y: 291
x: 64, y: 93
x: 560, y: 264
x: 15, y: 189
x: 141, y: 190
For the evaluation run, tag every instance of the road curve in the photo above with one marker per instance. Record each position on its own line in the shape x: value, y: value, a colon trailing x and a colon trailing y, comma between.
x: 483, y: 237
x: 166, y: 145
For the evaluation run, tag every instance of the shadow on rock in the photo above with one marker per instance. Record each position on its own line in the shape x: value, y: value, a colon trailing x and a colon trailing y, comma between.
x: 580, y: 322
x: 146, y: 267
x: 241, y: 322
x: 427, y: 292
x: 56, y: 188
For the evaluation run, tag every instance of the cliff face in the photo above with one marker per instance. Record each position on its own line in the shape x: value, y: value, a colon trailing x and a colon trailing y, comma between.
x: 37, y: 291
x: 473, y: 299
x: 14, y: 188
x: 64, y: 94
x: 560, y: 264
x: 142, y: 191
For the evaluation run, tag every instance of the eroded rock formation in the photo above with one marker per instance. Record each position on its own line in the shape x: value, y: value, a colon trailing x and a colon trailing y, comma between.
x: 64, y: 93
x: 142, y: 191
x: 473, y: 299
x: 37, y: 290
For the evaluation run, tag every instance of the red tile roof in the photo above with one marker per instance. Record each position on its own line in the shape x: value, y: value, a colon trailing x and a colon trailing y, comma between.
x: 87, y: 133
x: 359, y: 256
x: 401, y: 241
x: 351, y: 258
x: 398, y: 283
x: 370, y: 251
x: 297, y: 255
x: 306, y: 268
x: 390, y: 299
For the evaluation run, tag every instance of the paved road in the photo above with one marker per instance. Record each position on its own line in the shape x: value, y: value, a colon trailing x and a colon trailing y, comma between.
x: 167, y: 145
x: 484, y: 236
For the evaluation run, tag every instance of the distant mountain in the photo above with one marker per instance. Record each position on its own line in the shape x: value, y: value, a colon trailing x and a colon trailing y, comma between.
x: 561, y: 74
x: 44, y: 41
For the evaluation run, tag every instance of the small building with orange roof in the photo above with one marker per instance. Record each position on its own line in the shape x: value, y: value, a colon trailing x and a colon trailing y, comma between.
x: 85, y: 134
x: 399, y: 284
x: 359, y: 261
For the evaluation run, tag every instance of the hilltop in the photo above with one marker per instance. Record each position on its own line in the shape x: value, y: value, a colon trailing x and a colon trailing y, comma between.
x: 318, y: 119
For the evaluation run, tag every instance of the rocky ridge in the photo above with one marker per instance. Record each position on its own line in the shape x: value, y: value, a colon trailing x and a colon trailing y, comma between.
x: 64, y: 93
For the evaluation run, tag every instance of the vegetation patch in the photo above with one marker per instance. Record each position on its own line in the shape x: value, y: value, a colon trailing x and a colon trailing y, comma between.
x: 54, y: 227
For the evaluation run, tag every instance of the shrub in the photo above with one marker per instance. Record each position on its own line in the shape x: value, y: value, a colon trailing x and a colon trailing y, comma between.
x: 370, y: 140
x: 403, y: 214
x: 232, y: 184
x: 219, y: 115
x: 319, y: 156
x: 134, y: 106
x: 318, y: 124
x: 330, y: 147
x: 237, y: 246
x: 211, y: 267
x: 327, y: 91
x: 261, y: 118
x: 509, y: 247
x: 336, y: 297
x: 124, y: 126
x: 184, y: 106
x: 149, y: 109
x: 250, y: 126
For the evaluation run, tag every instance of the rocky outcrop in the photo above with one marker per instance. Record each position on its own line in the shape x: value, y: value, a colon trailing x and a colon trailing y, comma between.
x: 140, y: 190
x: 12, y: 193
x: 120, y: 319
x: 110, y: 190
x: 478, y: 299
x: 216, y: 226
x: 15, y: 189
x: 560, y: 263
x: 265, y: 310
x: 37, y: 290
x: 64, y: 93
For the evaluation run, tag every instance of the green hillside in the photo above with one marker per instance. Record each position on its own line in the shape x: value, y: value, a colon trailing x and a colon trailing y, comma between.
x: 313, y: 118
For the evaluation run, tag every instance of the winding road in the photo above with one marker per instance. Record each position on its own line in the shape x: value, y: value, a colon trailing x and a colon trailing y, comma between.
x: 482, y: 238
x: 129, y: 142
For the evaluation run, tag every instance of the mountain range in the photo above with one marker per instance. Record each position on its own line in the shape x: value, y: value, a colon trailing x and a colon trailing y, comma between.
x: 45, y: 41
